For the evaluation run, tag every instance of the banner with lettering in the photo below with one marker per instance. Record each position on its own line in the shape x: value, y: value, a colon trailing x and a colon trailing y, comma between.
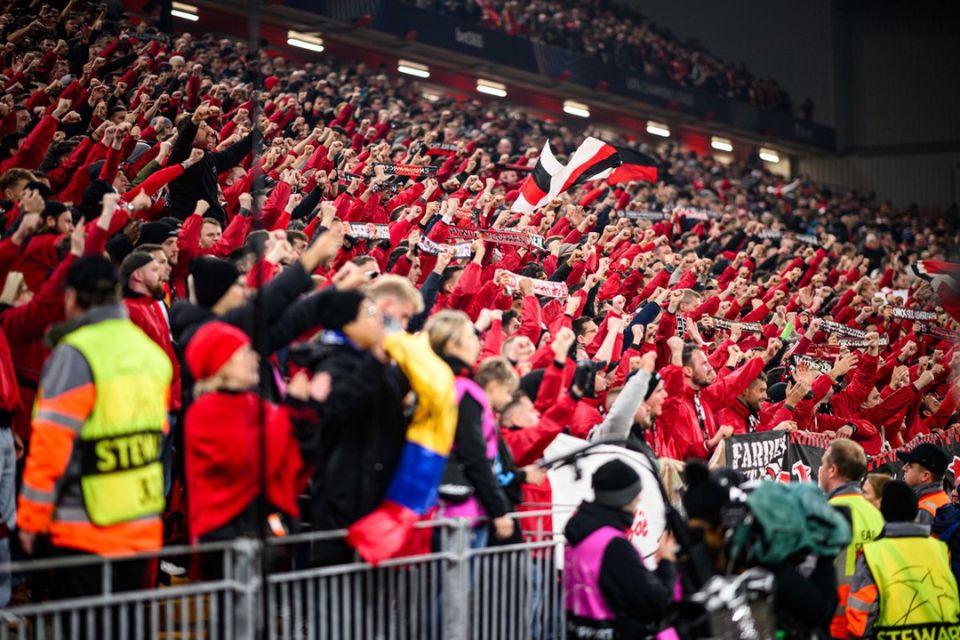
x: 754, y: 454
x: 817, y: 364
x: 461, y: 250
x: 860, y: 343
x: 441, y: 149
x: 796, y: 458
x: 913, y: 314
x: 811, y: 240
x: 368, y: 231
x: 842, y: 329
x: 546, y: 288
x: 647, y: 215
x: 498, y: 236
x: 697, y: 214
x: 407, y: 170
x: 750, y: 327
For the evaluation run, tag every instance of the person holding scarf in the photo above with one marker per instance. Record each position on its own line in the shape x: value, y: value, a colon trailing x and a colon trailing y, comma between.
x: 634, y: 411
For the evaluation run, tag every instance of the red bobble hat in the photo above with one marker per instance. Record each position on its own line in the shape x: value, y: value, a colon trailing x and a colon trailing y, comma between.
x: 212, y: 346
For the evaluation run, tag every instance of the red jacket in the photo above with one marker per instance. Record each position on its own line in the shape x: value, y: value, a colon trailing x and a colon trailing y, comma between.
x: 737, y: 415
x: 146, y: 313
x: 9, y: 394
x: 25, y: 327
x: 221, y: 432
x: 680, y: 434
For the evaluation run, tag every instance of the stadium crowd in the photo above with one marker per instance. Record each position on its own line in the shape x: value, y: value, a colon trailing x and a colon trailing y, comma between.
x: 146, y: 197
x: 621, y: 36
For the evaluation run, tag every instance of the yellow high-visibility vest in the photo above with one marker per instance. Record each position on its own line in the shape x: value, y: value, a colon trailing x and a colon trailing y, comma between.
x: 121, y: 472
x: 915, y: 587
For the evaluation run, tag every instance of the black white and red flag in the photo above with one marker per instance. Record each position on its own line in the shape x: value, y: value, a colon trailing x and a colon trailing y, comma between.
x: 944, y: 279
x: 550, y: 178
x: 594, y: 159
x: 636, y: 166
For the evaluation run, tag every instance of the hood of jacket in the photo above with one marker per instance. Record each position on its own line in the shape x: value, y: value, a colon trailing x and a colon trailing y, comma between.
x: 185, y: 318
x: 591, y: 516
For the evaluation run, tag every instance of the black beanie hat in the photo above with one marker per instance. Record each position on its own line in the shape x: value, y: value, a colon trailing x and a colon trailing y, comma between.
x: 777, y: 392
x: 156, y: 233
x: 530, y: 383
x: 705, y: 495
x: 53, y: 209
x: 92, y: 202
x: 655, y: 380
x: 133, y: 262
x: 91, y: 274
x: 212, y: 278
x: 342, y: 310
x: 898, y: 502
x: 616, y: 484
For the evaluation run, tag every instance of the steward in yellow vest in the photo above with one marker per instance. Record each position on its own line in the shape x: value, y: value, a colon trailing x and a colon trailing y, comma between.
x: 903, y: 588
x: 843, y: 464
x: 93, y: 481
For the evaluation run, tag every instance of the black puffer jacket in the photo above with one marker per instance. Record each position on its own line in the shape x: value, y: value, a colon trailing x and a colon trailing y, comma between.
x: 360, y: 436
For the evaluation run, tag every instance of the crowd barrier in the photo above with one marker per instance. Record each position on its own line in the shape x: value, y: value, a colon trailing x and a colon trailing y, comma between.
x: 245, y: 590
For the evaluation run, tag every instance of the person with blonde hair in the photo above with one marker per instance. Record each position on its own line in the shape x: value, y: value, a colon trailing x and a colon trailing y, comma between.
x: 873, y: 487
x: 396, y: 298
x: 222, y: 437
x: 469, y: 488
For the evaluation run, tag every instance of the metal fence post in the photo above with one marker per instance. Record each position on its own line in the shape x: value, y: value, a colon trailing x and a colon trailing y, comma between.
x: 456, y: 582
x: 246, y: 573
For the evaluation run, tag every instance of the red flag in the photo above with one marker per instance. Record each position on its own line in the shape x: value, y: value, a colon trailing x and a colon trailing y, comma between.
x: 636, y: 166
x: 944, y: 279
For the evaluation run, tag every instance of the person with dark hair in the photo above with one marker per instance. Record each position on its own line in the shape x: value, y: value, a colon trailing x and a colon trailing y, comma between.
x: 585, y: 329
x: 743, y: 412
x: 608, y: 591
x: 217, y: 292
x: 93, y: 482
x: 361, y: 426
x: 923, y: 469
x: 199, y: 182
x: 902, y: 582
x: 842, y: 468
x: 690, y: 428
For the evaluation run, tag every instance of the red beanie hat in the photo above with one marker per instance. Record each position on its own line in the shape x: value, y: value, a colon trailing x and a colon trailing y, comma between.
x: 270, y: 82
x: 212, y: 346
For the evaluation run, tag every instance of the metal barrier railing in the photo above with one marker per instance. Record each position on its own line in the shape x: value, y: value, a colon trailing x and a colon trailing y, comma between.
x: 114, y: 603
x: 448, y: 590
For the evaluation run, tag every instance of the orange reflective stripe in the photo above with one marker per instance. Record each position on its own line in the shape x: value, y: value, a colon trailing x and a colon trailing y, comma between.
x: 857, y: 622
x: 866, y: 594
x: 33, y: 516
x: 838, y: 625
x: 120, y: 539
x: 76, y: 403
x: 933, y: 501
x: 50, y: 450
